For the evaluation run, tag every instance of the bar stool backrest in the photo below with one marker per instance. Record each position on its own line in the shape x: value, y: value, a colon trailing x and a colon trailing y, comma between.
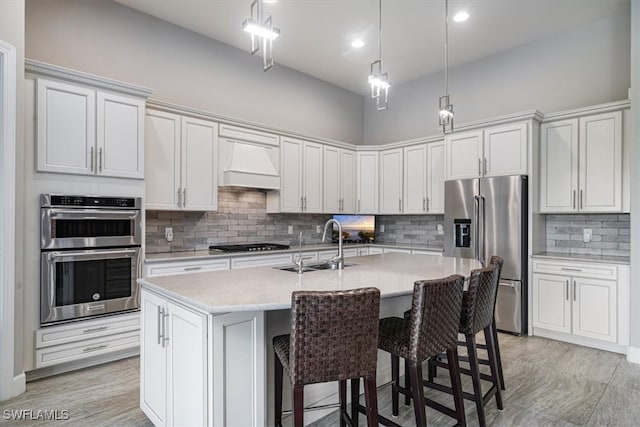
x: 478, y: 304
x: 334, y: 335
x: 435, y: 316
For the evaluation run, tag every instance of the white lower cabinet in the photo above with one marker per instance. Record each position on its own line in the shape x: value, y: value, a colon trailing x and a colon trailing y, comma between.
x: 180, y: 267
x: 396, y: 251
x: 188, y: 357
x: 581, y: 301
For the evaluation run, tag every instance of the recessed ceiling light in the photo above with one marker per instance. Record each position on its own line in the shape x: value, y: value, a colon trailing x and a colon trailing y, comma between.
x: 357, y: 43
x: 461, y: 16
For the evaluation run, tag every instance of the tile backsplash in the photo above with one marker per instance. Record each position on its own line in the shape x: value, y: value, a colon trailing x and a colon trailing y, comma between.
x: 610, y: 234
x: 242, y: 218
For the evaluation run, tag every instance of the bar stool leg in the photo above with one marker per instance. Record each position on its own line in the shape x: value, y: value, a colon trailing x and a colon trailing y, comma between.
x: 395, y: 377
x: 498, y: 358
x: 355, y: 399
x: 475, y: 377
x: 278, y: 390
x: 417, y: 392
x: 298, y: 406
x: 371, y: 400
x: 407, y: 383
x: 493, y: 365
x: 342, y: 386
x: 456, y: 385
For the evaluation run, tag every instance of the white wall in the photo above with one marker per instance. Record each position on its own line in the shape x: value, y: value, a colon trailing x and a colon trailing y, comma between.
x: 12, y: 31
x: 108, y: 39
x: 589, y: 65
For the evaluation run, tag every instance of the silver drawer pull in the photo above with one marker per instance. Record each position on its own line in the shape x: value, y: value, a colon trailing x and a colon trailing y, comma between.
x: 192, y: 268
x: 570, y: 269
x: 96, y: 307
x: 96, y: 348
x: 101, y: 328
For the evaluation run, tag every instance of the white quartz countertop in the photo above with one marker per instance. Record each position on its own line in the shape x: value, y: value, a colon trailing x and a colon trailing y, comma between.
x: 193, y: 255
x: 267, y: 288
x: 578, y: 257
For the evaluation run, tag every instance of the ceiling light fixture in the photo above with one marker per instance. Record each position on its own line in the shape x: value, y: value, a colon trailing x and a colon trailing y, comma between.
x: 378, y: 79
x: 357, y: 43
x: 262, y: 32
x: 444, y: 106
x: 461, y: 16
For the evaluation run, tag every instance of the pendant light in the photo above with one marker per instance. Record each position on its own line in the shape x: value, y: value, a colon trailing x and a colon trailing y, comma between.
x: 445, y: 108
x: 262, y: 33
x: 378, y: 79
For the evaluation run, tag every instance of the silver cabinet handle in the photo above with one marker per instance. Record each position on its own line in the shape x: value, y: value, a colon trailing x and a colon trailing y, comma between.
x: 427, y: 204
x: 98, y: 347
x: 581, y: 204
x: 479, y: 167
x: 358, y: 205
x: 100, y: 159
x: 305, y: 203
x: 566, y: 289
x: 574, y: 290
x: 184, y: 197
x: 91, y: 155
x: 570, y: 269
x: 193, y: 268
x: 399, y: 205
x: 179, y: 197
x: 165, y: 338
x: 485, y: 165
x: 159, y: 320
x: 574, y: 199
x: 424, y: 204
x: 101, y: 328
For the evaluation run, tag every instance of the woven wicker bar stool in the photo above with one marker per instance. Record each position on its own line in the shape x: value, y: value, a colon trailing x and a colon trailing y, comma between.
x: 334, y: 337
x: 477, y: 315
x: 431, y: 329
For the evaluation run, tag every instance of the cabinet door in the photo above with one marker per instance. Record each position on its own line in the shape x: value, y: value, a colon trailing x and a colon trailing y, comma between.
x: 391, y: 181
x: 464, y: 153
x: 415, y: 179
x: 162, y: 161
x: 505, y: 150
x: 332, y: 202
x: 120, y: 137
x: 367, y: 182
x: 594, y: 309
x: 291, y: 175
x: 199, y: 174
x: 312, y: 177
x: 601, y: 163
x: 66, y: 131
x: 239, y: 367
x: 187, y: 373
x: 551, y: 303
x: 435, y: 178
x: 153, y: 359
x: 348, y: 180
x: 559, y: 166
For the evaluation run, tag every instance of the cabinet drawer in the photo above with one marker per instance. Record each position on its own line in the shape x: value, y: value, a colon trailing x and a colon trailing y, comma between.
x: 425, y: 252
x: 82, y: 330
x: 186, y: 267
x: 79, y: 350
x: 396, y: 251
x: 262, y: 260
x: 598, y: 271
x: 325, y: 255
x: 375, y: 251
x: 307, y: 256
x: 350, y: 252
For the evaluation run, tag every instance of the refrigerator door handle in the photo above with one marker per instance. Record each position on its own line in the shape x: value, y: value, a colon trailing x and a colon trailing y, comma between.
x: 476, y: 246
x: 483, y: 255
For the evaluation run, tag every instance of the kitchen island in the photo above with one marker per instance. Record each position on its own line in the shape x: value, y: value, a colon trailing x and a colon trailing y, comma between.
x: 206, y: 337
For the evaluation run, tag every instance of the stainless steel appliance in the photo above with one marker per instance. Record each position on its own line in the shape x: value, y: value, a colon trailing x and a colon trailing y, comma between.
x: 485, y: 217
x: 90, y: 256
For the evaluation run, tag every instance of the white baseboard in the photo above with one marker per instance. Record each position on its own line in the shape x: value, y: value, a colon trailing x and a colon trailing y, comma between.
x: 16, y: 386
x: 633, y: 354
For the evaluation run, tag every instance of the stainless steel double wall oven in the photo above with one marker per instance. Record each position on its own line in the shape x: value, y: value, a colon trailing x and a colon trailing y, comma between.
x: 90, y: 256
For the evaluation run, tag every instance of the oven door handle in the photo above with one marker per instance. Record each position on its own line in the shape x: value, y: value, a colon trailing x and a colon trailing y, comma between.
x: 91, y: 254
x: 92, y: 214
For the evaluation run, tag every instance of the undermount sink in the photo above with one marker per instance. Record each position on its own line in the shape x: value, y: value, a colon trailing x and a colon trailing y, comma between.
x: 313, y: 267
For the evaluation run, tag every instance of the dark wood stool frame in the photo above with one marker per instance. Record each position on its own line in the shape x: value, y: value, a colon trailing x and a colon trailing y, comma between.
x: 334, y: 337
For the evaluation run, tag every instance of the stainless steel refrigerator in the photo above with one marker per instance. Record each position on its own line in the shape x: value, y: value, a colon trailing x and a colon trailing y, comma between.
x: 485, y: 217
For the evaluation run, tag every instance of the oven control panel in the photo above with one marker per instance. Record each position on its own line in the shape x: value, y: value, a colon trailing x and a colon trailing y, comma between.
x: 51, y: 200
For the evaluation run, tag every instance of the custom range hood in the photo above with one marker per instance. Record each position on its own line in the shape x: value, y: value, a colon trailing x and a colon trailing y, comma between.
x: 251, y: 165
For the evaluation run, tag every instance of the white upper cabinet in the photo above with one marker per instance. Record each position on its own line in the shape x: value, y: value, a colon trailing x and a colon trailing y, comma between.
x: 494, y: 151
x: 367, y: 184
x: 181, y: 163
x: 415, y: 179
x: 339, y: 180
x: 435, y: 178
x: 301, y: 174
x: 581, y: 164
x: 82, y: 130
x: 391, y: 181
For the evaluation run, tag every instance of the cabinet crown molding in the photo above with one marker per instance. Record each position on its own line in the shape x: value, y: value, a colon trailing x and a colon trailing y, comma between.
x: 50, y: 70
x: 588, y: 110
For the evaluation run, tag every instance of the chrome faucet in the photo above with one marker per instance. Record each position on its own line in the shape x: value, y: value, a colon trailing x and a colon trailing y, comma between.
x: 299, y: 263
x: 338, y: 259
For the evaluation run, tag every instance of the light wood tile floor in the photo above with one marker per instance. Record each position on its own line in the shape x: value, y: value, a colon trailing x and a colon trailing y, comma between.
x: 549, y: 383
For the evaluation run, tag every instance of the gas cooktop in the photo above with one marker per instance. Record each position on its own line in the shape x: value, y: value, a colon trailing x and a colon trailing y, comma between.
x: 251, y: 247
